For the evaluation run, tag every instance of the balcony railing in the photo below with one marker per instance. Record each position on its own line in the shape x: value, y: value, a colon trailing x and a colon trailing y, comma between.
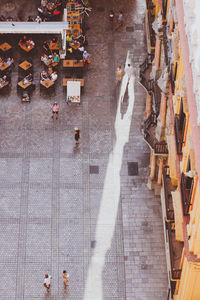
x: 156, y: 98
x: 151, y: 18
x: 179, y: 133
x: 168, y: 195
x: 165, y: 44
x: 164, y: 8
x: 186, y: 193
x: 147, y: 83
x: 149, y: 135
x: 175, y: 273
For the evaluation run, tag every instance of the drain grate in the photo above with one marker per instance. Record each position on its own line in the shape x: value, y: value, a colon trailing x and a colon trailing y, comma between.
x: 144, y: 267
x: 94, y: 169
x: 132, y: 168
x: 130, y: 29
x: 93, y: 244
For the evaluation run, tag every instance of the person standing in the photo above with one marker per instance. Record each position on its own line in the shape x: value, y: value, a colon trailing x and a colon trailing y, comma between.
x: 86, y: 57
x: 129, y: 71
x: 119, y: 73
x: 76, y: 135
x: 65, y: 277
x: 120, y: 19
x: 111, y: 18
x: 55, y: 110
x: 47, y: 282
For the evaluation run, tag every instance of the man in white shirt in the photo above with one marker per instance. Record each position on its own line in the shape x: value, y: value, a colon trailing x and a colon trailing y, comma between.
x: 129, y: 71
x: 54, y: 76
x: 47, y: 282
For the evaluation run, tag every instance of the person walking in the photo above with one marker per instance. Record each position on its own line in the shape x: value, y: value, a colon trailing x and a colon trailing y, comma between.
x: 111, y: 18
x: 76, y: 135
x: 120, y: 19
x: 47, y: 282
x: 119, y: 73
x: 129, y: 71
x: 65, y: 277
x: 55, y: 110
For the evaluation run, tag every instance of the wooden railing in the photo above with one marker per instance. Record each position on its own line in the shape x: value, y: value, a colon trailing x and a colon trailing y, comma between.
x: 175, y: 273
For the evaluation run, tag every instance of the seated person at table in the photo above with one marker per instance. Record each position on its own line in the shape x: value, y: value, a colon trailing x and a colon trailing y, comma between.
x: 3, y: 79
x: 30, y: 19
x: 58, y: 2
x: 79, y: 3
x: 46, y: 48
x: 30, y: 43
x: 54, y: 76
x: 50, y: 70
x: 38, y: 19
x: 56, y: 57
x: 69, y: 37
x: 81, y: 39
x: 43, y: 3
x: 44, y: 75
x: 22, y: 41
x: 9, y: 19
x: 44, y: 58
x: 2, y: 18
x: 54, y: 40
x: 81, y: 49
x: 28, y: 78
x: 10, y: 61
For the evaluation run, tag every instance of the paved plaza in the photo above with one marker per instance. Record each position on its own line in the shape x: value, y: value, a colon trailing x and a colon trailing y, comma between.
x: 83, y: 209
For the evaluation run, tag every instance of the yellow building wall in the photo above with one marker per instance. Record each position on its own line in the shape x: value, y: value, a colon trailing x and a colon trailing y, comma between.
x: 157, y: 7
x: 189, y: 288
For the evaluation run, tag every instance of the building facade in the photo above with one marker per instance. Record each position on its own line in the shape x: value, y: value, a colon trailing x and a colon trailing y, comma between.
x: 170, y: 75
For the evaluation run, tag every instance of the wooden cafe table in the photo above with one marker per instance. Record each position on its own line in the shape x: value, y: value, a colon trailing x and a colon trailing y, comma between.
x: 65, y: 80
x: 54, y: 46
x: 25, y: 65
x: 24, y: 86
x: 73, y: 63
x: 47, y: 83
x: 4, y: 66
x: 5, y: 47
x: 3, y: 84
x: 26, y: 48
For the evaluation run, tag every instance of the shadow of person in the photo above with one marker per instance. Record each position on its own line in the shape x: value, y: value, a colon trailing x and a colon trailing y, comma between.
x: 124, y: 103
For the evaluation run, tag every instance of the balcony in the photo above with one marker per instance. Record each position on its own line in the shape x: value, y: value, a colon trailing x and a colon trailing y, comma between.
x: 165, y: 44
x: 168, y: 196
x: 145, y: 69
x: 151, y: 18
x: 160, y: 148
x: 179, y: 128
x: 175, y: 255
x: 187, y: 184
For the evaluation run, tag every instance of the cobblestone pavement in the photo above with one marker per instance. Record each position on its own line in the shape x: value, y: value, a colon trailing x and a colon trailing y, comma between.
x: 64, y: 208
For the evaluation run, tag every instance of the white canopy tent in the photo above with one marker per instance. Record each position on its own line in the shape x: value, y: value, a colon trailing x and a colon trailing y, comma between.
x: 34, y: 28
x: 73, y: 91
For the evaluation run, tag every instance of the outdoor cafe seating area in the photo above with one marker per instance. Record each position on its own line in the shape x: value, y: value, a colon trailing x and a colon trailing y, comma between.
x: 38, y: 58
